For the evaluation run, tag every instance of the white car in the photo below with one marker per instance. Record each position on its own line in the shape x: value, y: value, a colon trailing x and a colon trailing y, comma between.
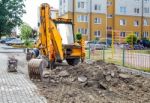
x: 15, y: 42
x: 94, y: 45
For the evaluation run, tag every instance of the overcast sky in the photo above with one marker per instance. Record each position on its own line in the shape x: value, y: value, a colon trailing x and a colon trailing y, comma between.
x: 31, y: 8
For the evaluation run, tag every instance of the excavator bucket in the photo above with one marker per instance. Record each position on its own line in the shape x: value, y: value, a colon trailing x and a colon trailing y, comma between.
x: 36, y: 68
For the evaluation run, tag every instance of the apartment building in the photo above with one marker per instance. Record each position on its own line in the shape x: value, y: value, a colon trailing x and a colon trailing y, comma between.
x: 88, y: 16
x: 130, y: 16
x: 98, y: 18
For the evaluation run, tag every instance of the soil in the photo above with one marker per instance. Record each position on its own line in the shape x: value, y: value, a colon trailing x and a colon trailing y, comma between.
x: 94, y: 82
x: 90, y: 82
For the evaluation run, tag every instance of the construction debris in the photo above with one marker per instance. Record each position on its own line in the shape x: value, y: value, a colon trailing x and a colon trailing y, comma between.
x: 82, y: 79
x: 12, y: 64
x: 95, y: 82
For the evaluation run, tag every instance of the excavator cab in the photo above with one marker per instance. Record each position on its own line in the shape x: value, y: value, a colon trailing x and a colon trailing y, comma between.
x: 72, y: 50
x: 65, y: 28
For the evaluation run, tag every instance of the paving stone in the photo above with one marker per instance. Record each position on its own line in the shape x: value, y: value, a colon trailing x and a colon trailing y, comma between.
x: 16, y: 87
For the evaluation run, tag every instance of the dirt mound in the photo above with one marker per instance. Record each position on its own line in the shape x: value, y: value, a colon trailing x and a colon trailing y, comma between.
x: 94, y: 82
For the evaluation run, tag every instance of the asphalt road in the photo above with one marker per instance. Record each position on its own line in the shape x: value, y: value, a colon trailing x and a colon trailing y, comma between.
x: 8, y: 49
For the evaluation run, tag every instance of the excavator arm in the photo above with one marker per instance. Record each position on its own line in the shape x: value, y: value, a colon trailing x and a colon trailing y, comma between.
x: 51, y: 41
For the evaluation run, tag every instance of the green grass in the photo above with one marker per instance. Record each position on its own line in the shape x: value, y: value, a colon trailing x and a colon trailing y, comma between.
x: 140, y: 51
x: 117, y: 59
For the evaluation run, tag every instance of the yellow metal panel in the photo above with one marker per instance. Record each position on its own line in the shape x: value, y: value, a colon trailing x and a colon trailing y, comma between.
x: 76, y: 52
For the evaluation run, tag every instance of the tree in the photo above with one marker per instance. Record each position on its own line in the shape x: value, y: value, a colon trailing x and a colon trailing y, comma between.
x: 26, y: 33
x: 131, y: 39
x: 11, y: 12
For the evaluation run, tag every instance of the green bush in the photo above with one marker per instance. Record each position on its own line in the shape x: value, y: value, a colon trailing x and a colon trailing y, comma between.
x: 97, y: 39
x: 78, y: 36
x: 28, y: 43
x: 131, y: 39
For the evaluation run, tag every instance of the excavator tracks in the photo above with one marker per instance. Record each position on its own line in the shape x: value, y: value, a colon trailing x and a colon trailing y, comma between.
x: 36, y: 68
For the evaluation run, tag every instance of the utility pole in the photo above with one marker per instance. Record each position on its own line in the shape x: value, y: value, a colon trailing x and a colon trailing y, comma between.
x: 142, y: 18
x: 106, y: 22
x: 90, y: 20
x: 88, y: 12
x: 73, y: 18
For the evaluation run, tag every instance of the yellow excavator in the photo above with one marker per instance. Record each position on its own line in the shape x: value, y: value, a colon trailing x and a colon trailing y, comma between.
x: 56, y: 43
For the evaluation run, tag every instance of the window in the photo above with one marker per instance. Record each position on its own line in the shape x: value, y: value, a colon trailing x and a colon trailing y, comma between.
x: 97, y: 33
x: 123, y: 34
x: 82, y: 18
x: 60, y: 2
x: 137, y: 34
x: 109, y: 3
x: 146, y: 0
x: 145, y: 34
x: 146, y: 22
x: 109, y: 28
x: 85, y: 31
x: 82, y: 31
x: 109, y: 16
x: 136, y: 0
x: 136, y: 23
x: 122, y: 22
x: 146, y: 10
x: 97, y: 7
x: 136, y: 10
x: 86, y: 18
x: 81, y: 5
x: 97, y: 21
x: 123, y: 9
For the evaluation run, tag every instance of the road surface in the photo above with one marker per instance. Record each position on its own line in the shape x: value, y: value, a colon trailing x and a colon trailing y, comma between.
x: 16, y: 87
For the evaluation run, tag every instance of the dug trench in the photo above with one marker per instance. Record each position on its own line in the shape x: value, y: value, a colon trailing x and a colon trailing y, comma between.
x: 94, y: 82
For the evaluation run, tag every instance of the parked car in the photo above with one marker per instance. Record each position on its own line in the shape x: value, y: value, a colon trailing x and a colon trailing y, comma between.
x: 94, y: 45
x: 14, y: 42
x: 135, y: 47
x: 4, y: 40
x: 138, y: 47
x: 104, y: 44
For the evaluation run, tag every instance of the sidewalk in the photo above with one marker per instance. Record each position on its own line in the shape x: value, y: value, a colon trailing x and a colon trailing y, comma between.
x: 16, y: 87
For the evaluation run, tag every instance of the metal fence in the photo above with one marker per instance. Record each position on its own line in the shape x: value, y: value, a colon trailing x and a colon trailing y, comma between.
x: 137, y: 59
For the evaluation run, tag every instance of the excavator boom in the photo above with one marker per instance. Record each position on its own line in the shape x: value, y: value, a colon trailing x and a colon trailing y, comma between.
x: 51, y: 40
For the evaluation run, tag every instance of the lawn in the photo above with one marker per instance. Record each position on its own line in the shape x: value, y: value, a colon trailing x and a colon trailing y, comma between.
x: 117, y: 57
x: 141, y: 51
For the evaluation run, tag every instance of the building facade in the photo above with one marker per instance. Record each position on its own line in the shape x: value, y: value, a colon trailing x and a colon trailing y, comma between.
x: 104, y: 18
x: 54, y: 13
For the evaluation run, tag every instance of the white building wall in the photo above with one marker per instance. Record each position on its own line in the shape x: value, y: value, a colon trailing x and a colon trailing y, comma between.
x: 67, y: 6
x: 130, y: 6
x: 64, y: 6
x: 103, y: 6
x: 90, y: 6
x: 147, y: 5
x: 53, y: 14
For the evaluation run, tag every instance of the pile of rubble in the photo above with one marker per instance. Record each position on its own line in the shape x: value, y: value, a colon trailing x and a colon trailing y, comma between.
x: 94, y: 82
